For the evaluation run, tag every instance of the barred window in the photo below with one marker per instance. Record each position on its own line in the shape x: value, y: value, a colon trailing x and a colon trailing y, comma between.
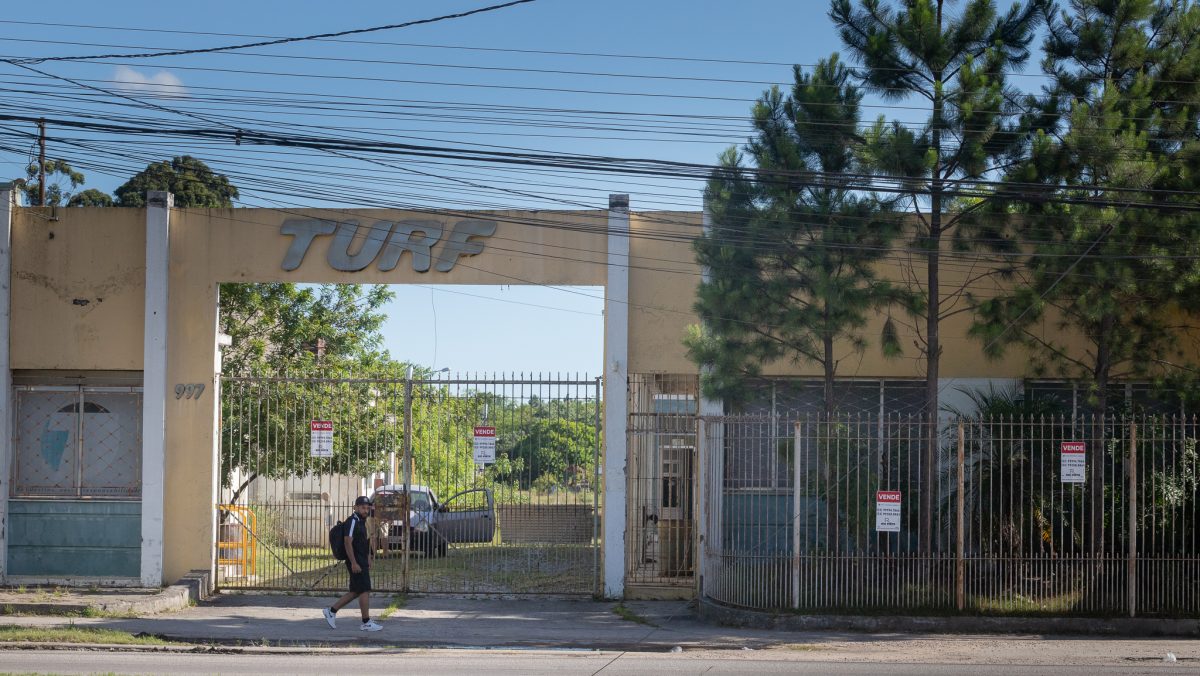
x: 759, y: 453
x: 1076, y: 399
x: 75, y: 441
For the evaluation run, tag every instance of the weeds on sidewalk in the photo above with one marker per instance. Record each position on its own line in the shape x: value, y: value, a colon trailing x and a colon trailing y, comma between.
x: 12, y: 634
x: 628, y: 615
x: 97, y: 611
x: 77, y: 611
x: 398, y: 601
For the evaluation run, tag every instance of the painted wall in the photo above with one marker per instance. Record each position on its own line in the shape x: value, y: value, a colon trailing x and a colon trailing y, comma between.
x: 74, y: 538
x: 77, y: 289
x: 663, y: 290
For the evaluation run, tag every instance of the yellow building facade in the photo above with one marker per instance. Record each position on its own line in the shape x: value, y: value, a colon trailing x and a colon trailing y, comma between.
x: 122, y: 303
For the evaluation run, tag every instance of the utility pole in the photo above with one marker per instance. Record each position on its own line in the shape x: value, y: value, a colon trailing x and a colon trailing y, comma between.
x: 42, y: 162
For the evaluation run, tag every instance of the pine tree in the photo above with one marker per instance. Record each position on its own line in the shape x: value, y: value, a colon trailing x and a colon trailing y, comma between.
x: 790, y: 260
x: 957, y: 66
x: 1113, y: 261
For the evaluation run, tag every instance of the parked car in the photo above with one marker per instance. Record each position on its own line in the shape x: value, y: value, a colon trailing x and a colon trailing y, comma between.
x: 465, y: 517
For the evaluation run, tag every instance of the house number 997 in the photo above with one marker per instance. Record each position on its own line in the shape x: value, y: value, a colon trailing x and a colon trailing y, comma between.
x: 189, y: 390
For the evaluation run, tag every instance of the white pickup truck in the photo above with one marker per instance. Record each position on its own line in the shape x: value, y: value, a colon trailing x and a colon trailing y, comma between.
x: 465, y: 517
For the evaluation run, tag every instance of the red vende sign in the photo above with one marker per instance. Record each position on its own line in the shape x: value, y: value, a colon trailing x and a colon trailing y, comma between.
x: 1074, y: 447
x: 322, y: 426
x: 485, y: 431
x: 887, y: 496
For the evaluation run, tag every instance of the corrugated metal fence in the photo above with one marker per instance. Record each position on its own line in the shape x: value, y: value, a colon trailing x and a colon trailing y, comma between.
x: 1083, y: 515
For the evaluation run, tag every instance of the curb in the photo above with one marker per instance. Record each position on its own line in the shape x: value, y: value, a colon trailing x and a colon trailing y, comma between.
x: 175, y: 597
x: 196, y: 586
x: 210, y: 645
x: 1124, y: 627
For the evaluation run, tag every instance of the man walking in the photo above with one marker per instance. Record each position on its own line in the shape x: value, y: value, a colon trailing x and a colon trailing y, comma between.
x: 359, y: 556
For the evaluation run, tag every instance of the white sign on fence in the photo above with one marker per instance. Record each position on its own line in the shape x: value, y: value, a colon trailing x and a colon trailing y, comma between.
x: 485, y: 444
x: 887, y: 511
x: 1074, y: 462
x: 321, y: 438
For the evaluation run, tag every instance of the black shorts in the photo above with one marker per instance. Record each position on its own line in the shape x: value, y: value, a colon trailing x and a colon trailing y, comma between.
x: 359, y: 582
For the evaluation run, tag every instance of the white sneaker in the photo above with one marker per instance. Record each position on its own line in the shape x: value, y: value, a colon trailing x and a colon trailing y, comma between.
x: 371, y: 625
x: 330, y: 618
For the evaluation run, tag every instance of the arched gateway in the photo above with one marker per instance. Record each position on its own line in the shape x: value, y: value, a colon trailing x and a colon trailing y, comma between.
x: 111, y: 379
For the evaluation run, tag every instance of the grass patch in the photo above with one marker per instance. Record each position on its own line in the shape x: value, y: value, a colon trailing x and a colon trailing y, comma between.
x: 398, y: 601
x: 1018, y: 604
x: 11, y: 633
x: 629, y: 616
x: 467, y: 569
x: 96, y: 611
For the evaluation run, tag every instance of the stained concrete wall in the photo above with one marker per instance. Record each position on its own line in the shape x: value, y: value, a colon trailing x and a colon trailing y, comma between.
x: 663, y: 291
x: 77, y: 288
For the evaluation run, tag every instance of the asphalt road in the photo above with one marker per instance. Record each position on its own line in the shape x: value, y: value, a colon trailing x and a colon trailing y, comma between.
x: 558, y: 663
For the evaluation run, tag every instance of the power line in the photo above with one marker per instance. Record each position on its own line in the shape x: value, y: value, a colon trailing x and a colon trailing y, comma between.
x: 278, y: 41
x: 969, y: 188
x: 477, y: 48
x: 575, y: 203
x: 552, y: 224
x: 971, y: 255
x: 490, y: 109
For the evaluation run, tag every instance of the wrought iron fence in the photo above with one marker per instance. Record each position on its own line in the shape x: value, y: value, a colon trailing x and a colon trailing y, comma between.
x: 482, y: 485
x: 1022, y: 515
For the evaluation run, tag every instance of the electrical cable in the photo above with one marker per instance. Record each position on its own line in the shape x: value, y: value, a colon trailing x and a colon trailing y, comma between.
x: 288, y: 40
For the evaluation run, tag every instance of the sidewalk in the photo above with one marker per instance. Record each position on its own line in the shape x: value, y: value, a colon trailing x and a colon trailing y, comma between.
x: 426, y: 622
x: 441, y: 622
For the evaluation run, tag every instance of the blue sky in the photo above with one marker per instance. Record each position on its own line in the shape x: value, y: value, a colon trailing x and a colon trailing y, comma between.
x: 443, y: 84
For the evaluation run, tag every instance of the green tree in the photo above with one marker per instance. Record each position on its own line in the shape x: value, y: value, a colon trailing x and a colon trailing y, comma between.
x: 325, y: 331
x: 1112, y: 261
x: 281, y: 326
x: 90, y: 198
x: 56, y: 193
x: 791, y: 261
x: 193, y: 183
x: 956, y: 66
x: 564, y: 450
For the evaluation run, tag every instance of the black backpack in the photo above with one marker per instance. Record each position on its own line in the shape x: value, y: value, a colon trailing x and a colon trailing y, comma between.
x: 337, y: 540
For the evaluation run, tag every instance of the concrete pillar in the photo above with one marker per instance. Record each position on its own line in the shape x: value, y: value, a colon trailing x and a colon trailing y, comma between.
x: 710, y: 442
x: 7, y: 198
x: 616, y: 403
x: 154, y: 383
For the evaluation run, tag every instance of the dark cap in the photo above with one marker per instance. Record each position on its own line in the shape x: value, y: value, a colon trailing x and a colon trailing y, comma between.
x: 362, y: 500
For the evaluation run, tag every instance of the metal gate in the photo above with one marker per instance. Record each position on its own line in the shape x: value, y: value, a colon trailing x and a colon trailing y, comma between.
x: 660, y: 546
x: 481, y: 486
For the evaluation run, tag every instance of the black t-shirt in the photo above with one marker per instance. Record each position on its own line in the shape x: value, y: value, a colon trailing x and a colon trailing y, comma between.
x: 356, y: 530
